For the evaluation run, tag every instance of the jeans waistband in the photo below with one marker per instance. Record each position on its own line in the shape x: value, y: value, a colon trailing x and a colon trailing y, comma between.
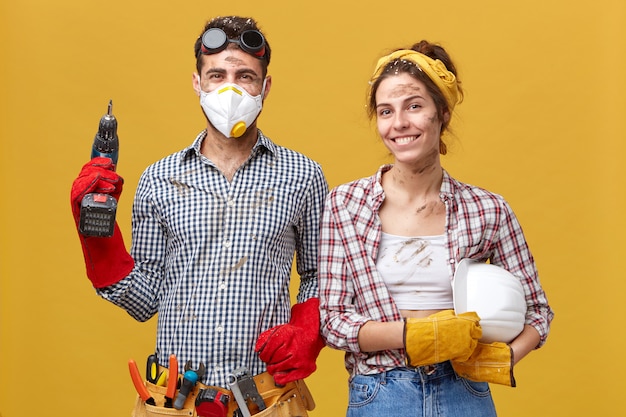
x: 436, y: 370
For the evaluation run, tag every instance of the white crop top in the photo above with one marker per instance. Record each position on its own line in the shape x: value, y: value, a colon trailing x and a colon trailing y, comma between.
x: 415, y: 272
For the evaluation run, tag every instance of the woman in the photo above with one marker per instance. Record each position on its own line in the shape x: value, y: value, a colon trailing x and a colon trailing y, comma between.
x: 390, y: 244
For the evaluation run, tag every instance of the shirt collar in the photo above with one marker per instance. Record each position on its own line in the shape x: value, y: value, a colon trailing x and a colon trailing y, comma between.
x: 446, y: 191
x: 262, y: 143
x: 448, y: 186
x: 377, y: 192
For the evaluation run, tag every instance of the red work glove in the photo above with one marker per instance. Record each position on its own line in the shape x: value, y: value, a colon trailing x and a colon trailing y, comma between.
x: 290, y: 349
x: 106, y: 258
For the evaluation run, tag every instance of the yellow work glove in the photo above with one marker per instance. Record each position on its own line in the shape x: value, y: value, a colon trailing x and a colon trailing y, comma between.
x: 489, y: 363
x: 440, y: 337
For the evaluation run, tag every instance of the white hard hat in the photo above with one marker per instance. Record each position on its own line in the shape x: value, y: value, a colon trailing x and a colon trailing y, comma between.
x: 496, y: 295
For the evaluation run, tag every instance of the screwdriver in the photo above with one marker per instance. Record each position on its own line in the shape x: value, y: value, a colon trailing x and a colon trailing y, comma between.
x: 172, y: 381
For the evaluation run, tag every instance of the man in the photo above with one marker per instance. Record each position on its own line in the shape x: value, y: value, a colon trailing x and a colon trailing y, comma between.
x: 215, y: 228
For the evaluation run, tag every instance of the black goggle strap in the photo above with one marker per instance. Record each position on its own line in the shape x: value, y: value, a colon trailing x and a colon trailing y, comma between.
x: 215, y: 40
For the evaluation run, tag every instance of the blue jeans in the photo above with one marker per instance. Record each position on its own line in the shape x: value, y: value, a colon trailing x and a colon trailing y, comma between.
x: 427, y: 391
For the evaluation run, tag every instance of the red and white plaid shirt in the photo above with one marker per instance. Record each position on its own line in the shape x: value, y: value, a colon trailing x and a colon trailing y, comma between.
x: 480, y: 225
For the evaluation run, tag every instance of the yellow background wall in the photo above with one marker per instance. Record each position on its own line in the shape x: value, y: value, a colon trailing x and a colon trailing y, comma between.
x: 543, y: 124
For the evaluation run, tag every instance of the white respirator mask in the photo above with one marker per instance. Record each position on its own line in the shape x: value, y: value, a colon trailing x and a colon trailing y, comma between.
x: 230, y: 109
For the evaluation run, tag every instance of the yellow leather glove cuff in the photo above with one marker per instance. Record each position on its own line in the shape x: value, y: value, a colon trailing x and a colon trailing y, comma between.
x: 489, y: 363
x: 440, y: 337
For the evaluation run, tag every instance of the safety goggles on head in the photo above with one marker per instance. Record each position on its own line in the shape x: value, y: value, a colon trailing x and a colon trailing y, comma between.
x: 215, y: 40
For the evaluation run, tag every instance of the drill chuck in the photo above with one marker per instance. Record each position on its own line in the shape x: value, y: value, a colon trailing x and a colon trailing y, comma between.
x: 106, y: 143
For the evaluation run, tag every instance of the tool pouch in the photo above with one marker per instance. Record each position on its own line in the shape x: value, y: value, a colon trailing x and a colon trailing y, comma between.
x: 158, y: 394
x: 292, y: 400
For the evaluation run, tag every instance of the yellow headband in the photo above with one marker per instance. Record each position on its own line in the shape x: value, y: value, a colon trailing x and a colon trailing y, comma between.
x: 433, y: 68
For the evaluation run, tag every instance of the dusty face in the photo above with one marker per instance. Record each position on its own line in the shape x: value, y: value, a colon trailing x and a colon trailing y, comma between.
x: 407, y: 121
x: 230, y: 85
x: 231, y: 65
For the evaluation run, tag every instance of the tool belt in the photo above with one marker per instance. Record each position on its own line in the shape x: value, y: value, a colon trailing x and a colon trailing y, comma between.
x: 291, y: 400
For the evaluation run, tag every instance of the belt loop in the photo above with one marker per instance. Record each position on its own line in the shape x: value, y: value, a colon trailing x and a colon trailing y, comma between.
x: 383, y: 377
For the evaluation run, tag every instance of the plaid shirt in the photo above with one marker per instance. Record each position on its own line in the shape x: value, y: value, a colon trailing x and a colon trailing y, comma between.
x: 213, y: 258
x: 479, y: 225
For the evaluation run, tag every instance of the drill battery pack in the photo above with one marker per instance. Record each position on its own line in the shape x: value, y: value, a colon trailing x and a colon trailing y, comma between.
x: 97, y: 215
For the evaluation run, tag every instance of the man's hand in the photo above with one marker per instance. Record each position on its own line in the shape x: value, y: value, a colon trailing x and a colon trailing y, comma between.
x: 290, y: 349
x: 106, y: 258
x: 96, y: 176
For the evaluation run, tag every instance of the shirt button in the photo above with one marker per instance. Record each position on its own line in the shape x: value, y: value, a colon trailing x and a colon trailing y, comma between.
x: 222, y: 285
x: 230, y: 203
x: 227, y: 243
x: 219, y: 329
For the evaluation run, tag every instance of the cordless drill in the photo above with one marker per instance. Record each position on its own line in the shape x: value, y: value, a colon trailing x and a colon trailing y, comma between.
x: 97, y: 211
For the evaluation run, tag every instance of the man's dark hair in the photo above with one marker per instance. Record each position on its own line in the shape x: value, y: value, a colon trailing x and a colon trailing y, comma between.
x: 233, y: 26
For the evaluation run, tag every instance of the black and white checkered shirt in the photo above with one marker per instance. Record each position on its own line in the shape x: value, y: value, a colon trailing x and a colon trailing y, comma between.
x: 213, y: 258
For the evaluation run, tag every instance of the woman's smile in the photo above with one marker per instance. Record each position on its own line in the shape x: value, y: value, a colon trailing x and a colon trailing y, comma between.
x: 404, y: 139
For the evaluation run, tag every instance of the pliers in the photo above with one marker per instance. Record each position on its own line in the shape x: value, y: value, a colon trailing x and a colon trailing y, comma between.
x: 138, y: 382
